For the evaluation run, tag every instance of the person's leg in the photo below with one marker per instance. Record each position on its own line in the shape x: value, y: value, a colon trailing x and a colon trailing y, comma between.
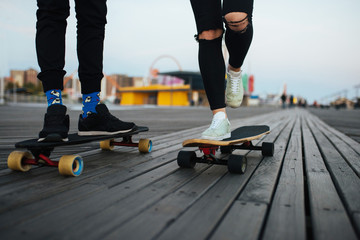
x: 91, y: 20
x: 211, y: 62
x: 50, y: 42
x: 96, y: 118
x: 50, y: 48
x: 239, y: 30
x: 238, y: 37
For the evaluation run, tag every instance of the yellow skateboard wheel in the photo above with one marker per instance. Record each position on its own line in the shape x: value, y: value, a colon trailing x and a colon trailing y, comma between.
x: 15, y: 161
x: 106, y: 145
x: 145, y: 145
x: 71, y: 165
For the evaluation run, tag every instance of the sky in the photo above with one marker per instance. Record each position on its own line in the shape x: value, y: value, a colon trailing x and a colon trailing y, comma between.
x: 311, y: 46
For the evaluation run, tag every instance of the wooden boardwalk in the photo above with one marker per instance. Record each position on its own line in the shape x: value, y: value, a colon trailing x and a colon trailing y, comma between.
x: 309, y: 189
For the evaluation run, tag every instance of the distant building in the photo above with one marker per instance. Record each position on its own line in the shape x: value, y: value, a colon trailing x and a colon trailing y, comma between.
x: 192, y: 78
x: 138, y: 81
x: 114, y: 82
x: 22, y: 77
x: 72, y: 87
x: 197, y: 93
x: 30, y: 76
x: 18, y: 77
x: 122, y: 80
x: 159, y: 95
x: 343, y: 103
x: 7, y: 80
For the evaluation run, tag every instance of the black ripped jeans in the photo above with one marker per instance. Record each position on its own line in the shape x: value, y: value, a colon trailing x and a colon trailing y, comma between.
x: 50, y: 42
x: 209, y: 15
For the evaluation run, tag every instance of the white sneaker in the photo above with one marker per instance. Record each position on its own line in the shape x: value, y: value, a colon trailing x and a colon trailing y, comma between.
x: 219, y: 128
x: 234, y: 89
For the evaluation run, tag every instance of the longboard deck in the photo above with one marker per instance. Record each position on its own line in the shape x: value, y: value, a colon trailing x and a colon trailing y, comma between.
x: 74, y: 139
x: 239, y: 135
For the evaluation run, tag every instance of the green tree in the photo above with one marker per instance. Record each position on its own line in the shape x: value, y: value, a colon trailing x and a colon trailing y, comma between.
x: 10, y: 85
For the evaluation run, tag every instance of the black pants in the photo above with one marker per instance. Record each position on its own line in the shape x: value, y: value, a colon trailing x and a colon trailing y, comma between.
x: 209, y: 15
x: 50, y: 42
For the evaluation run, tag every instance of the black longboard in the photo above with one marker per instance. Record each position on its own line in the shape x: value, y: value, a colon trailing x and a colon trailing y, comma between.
x: 70, y: 164
x: 241, y: 138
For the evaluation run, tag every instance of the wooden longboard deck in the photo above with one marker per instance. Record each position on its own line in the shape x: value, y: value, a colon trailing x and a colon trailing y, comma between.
x: 239, y: 135
x: 74, y: 138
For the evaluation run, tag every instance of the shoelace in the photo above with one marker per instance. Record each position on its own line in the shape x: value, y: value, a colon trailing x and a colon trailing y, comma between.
x: 235, y: 85
x: 215, y: 123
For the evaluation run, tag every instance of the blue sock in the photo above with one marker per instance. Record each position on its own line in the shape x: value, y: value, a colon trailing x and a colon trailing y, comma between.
x: 53, y: 96
x: 89, y: 103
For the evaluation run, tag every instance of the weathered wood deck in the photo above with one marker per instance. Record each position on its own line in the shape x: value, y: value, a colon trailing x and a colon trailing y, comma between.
x: 309, y: 189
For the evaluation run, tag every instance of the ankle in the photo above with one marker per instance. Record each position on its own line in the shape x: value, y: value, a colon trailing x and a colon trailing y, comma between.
x: 233, y: 69
x: 234, y: 74
x: 220, y: 115
x: 53, y: 96
x: 90, y: 101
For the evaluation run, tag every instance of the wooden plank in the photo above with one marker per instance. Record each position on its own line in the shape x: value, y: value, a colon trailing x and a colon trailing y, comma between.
x: 286, y: 219
x: 101, y: 212
x: 349, y: 141
x: 212, y: 207
x: 328, y: 215
x: 347, y: 151
x: 262, y: 183
x: 356, y: 217
x: 149, y: 222
x: 49, y: 187
x: 129, y: 208
x: 24, y: 196
x: 28, y: 212
x: 45, y: 186
x: 248, y: 228
x: 344, y: 120
x: 253, y: 200
x: 345, y: 179
x: 25, y: 212
x: 207, y: 211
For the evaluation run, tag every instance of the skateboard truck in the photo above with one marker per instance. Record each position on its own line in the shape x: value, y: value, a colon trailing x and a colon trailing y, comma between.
x: 41, y: 159
x: 71, y: 165
x: 207, y: 150
x: 144, y: 145
x: 127, y: 142
x: 209, y: 155
x: 247, y: 146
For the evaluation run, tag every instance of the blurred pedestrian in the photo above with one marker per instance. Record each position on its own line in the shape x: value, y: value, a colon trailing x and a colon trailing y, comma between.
x: 283, y: 100
x: 291, y: 100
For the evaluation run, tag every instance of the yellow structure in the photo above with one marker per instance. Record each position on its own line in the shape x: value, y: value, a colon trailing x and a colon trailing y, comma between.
x: 160, y: 95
